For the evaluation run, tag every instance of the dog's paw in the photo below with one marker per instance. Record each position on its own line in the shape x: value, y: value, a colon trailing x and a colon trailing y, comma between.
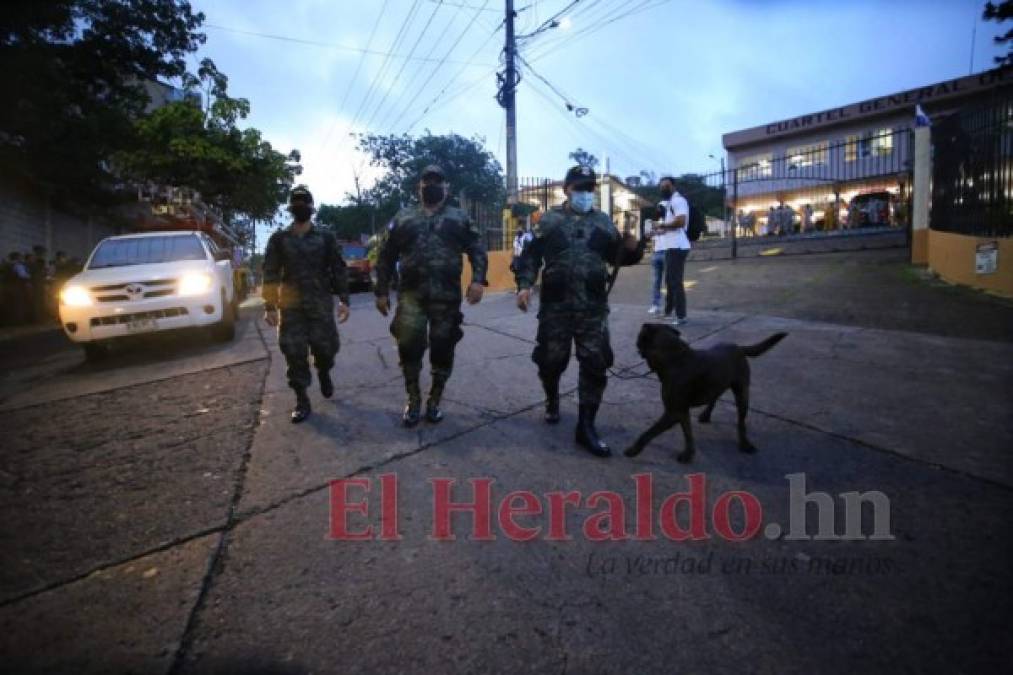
x: 684, y: 457
x: 748, y: 448
x: 632, y: 451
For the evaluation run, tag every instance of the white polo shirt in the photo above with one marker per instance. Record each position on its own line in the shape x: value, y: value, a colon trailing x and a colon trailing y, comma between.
x: 674, y: 207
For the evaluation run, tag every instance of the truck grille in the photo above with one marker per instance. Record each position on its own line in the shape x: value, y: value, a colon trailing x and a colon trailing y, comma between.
x: 155, y: 288
x: 127, y: 318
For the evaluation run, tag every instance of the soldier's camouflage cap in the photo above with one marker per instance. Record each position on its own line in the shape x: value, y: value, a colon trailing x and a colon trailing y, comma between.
x: 579, y: 174
x: 300, y: 193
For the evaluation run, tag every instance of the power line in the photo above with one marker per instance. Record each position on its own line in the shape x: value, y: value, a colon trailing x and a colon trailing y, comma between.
x: 551, y: 22
x: 596, y: 136
x: 436, y: 43
x: 358, y: 67
x: 436, y: 70
x: 463, y: 6
x: 432, y: 104
x: 327, y: 45
x: 404, y: 64
x: 579, y: 111
x: 644, y: 6
x: 382, y: 72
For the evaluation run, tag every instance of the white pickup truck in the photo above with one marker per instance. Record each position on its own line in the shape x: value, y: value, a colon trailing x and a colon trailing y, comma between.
x: 142, y: 283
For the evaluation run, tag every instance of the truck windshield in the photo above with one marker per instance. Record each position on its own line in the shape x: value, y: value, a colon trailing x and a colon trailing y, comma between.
x: 352, y: 252
x: 146, y: 250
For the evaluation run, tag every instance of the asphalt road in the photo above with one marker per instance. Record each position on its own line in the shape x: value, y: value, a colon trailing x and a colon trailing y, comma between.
x: 160, y: 515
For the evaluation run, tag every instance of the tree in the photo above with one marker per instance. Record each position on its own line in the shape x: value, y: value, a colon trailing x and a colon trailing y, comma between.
x: 183, y: 144
x: 347, y: 222
x: 73, y: 84
x: 691, y: 186
x: 584, y: 158
x: 472, y: 171
x: 1001, y: 13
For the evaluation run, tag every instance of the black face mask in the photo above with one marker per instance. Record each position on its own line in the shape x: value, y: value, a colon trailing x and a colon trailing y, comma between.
x: 301, y: 212
x: 433, y: 194
x: 667, y: 192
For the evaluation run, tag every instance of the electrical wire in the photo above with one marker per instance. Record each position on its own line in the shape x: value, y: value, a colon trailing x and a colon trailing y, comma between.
x: 355, y: 75
x: 382, y: 72
x: 548, y: 23
x: 404, y: 64
x: 327, y: 45
x: 436, y: 69
x: 644, y: 6
x: 435, y: 102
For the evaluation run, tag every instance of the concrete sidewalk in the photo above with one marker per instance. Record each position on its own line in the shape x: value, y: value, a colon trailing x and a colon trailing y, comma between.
x: 923, y: 419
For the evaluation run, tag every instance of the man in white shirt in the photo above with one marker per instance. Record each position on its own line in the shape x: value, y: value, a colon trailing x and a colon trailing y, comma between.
x: 674, y: 212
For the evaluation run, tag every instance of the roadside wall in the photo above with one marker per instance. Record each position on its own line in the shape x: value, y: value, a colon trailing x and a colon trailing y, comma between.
x: 26, y: 221
x: 952, y: 257
x: 500, y: 277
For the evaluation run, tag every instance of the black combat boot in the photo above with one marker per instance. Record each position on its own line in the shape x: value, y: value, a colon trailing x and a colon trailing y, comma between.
x: 433, y: 413
x: 411, y: 410
x: 587, y: 435
x: 551, y: 401
x: 326, y: 386
x: 302, y: 408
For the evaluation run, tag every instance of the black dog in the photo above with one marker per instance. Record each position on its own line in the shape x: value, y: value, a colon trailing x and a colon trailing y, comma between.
x: 691, y: 378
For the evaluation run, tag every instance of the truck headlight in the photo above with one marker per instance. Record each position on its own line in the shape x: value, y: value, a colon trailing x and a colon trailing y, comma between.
x: 194, y: 283
x: 75, y: 296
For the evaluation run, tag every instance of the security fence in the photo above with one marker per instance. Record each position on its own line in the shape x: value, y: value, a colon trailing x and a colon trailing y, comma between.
x: 972, y: 170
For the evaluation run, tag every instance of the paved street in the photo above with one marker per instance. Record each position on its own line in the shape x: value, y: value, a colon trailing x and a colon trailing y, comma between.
x: 161, y: 515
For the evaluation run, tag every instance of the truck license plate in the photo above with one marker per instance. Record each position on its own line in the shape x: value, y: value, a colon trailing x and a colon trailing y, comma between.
x: 142, y: 326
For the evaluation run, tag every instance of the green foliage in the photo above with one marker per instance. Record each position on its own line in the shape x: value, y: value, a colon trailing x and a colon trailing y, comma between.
x: 1001, y: 13
x: 694, y: 188
x: 347, y: 222
x: 584, y: 158
x: 472, y: 171
x: 72, y: 77
x: 234, y: 169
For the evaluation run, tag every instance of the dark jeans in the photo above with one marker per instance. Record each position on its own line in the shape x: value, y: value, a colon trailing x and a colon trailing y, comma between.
x: 675, y: 266
x: 658, y: 265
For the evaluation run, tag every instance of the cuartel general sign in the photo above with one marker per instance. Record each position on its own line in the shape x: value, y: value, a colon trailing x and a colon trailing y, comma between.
x: 875, y: 106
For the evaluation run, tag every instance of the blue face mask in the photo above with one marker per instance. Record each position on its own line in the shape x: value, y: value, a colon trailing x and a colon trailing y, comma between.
x: 582, y: 202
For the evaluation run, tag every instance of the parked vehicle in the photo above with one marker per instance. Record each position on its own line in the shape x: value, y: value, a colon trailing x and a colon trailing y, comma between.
x: 143, y: 283
x: 873, y: 208
x: 360, y: 270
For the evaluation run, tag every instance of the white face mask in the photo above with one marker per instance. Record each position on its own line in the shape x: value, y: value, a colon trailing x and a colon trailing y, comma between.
x: 582, y: 202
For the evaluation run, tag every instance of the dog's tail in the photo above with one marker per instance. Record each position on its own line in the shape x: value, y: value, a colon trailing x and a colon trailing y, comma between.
x: 760, y: 347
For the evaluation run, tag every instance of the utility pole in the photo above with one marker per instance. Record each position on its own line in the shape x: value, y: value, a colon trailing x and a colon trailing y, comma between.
x: 508, y: 101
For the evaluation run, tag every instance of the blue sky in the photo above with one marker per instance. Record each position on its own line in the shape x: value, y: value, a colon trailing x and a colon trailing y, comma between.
x: 662, y: 85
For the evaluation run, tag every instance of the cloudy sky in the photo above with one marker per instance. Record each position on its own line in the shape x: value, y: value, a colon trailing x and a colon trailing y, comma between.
x: 662, y: 80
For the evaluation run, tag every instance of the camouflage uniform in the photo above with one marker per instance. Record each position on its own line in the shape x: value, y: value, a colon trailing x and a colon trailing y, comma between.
x: 429, y: 248
x: 301, y: 276
x: 574, y: 248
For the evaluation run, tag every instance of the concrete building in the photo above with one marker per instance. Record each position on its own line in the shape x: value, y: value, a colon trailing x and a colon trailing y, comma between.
x: 851, y: 164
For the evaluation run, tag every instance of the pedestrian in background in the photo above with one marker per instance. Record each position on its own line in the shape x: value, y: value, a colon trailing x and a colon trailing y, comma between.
x: 658, y: 268
x: 674, y: 215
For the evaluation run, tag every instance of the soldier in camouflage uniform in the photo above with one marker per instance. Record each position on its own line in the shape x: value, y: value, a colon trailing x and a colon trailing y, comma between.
x: 574, y: 242
x: 303, y: 270
x: 428, y: 240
